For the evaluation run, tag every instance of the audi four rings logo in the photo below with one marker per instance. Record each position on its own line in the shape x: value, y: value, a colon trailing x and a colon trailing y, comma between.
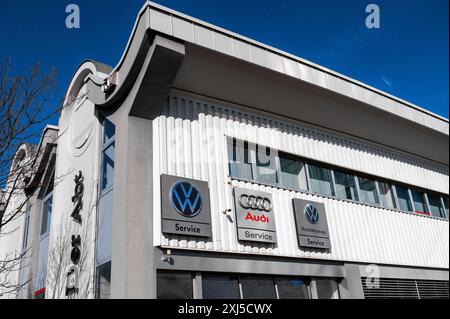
x: 186, y: 199
x: 311, y: 214
x: 255, y: 202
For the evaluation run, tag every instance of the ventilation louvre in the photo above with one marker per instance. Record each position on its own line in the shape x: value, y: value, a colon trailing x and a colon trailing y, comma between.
x: 406, y: 289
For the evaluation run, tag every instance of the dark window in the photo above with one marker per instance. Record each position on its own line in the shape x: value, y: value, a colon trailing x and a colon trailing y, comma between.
x: 345, y: 186
x: 292, y: 288
x: 108, y: 167
x: 258, y: 287
x: 239, y: 159
x: 292, y: 173
x: 103, y: 281
x: 446, y: 206
x: 50, y: 185
x: 368, y: 191
x: 46, y: 215
x: 220, y: 287
x: 327, y: 289
x: 436, y: 208
x: 403, y: 199
x: 320, y: 180
x: 420, y: 205
x: 109, y: 131
x: 108, y: 152
x: 172, y: 285
x: 25, y: 230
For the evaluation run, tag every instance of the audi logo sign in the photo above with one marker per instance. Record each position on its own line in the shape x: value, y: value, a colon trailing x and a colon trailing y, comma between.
x: 255, y: 219
x: 255, y: 202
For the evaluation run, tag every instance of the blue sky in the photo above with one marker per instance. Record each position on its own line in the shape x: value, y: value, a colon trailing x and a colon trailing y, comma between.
x: 407, y: 57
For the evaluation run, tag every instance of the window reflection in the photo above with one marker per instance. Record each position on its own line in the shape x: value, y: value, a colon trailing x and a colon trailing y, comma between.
x: 345, y: 186
x: 220, y: 287
x: 292, y: 288
x: 387, y: 197
x: 420, y: 205
x: 293, y: 173
x: 172, y: 285
x: 320, y: 180
x: 239, y: 159
x: 368, y: 190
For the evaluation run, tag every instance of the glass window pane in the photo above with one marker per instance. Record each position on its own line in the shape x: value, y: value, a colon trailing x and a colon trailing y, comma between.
x: 108, y: 167
x: 50, y: 185
x: 109, y: 130
x: 436, y: 208
x: 46, y: 215
x: 320, y: 180
x: 293, y: 173
x: 25, y: 231
x: 258, y: 288
x: 266, y: 169
x: 292, y: 288
x: 173, y: 285
x: 345, y: 186
x: 239, y: 159
x: 103, y: 281
x: 403, y: 199
x: 327, y: 289
x: 368, y: 190
x: 419, y: 201
x: 446, y: 206
x: 220, y: 287
x: 387, y: 197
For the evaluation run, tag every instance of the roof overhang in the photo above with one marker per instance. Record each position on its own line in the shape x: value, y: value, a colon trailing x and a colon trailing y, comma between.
x: 195, y: 56
x: 44, y: 158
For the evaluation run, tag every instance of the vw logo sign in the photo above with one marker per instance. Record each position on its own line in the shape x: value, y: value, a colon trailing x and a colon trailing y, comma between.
x: 311, y: 214
x: 186, y: 199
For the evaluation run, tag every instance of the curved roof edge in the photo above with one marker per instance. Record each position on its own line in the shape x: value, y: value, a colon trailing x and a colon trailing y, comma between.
x: 155, y: 17
x: 86, y: 68
x: 48, y: 140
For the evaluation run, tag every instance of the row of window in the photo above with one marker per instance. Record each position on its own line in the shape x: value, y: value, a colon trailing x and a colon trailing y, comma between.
x: 46, y: 221
x: 262, y: 164
x: 181, y: 285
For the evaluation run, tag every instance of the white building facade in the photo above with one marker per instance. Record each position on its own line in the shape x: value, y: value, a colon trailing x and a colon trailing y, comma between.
x: 208, y: 165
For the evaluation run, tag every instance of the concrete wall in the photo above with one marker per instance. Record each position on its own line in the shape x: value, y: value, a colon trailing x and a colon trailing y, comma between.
x: 79, y: 145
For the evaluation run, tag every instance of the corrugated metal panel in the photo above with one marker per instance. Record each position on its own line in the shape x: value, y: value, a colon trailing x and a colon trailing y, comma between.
x: 406, y: 289
x: 191, y: 139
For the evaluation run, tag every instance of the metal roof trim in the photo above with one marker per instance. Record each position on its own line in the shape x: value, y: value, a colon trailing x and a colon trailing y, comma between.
x: 317, y: 67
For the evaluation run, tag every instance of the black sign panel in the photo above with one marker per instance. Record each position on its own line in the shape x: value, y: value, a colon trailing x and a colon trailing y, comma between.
x: 185, y: 207
x: 311, y: 223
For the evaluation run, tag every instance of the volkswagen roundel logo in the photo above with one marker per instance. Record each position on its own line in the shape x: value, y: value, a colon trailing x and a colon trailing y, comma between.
x: 311, y: 214
x: 186, y: 199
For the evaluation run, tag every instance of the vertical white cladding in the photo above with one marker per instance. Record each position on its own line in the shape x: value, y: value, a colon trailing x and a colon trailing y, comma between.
x: 78, y: 150
x: 190, y: 141
x: 11, y: 241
